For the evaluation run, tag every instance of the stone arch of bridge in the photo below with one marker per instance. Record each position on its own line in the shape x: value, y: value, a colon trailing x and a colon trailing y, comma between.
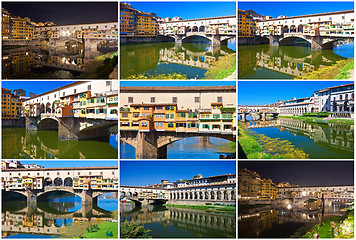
x: 171, y: 139
x: 196, y: 34
x: 95, y: 130
x: 48, y: 123
x: 290, y: 40
x: 43, y: 194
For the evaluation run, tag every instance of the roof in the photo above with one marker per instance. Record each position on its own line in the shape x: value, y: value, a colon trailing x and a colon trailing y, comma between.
x: 58, y: 89
x: 327, y: 89
x: 76, y: 24
x: 200, y: 19
x: 151, y: 104
x: 58, y: 168
x: 182, y: 89
x: 208, y: 185
x: 310, y: 15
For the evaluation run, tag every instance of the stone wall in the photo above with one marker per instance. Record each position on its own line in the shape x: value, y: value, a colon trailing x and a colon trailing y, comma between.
x: 18, y: 123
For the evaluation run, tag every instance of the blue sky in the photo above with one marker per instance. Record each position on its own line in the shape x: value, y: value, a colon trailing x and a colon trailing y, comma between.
x: 290, y: 9
x: 71, y: 163
x: 139, y: 173
x: 264, y: 92
x: 187, y: 10
x: 175, y: 83
x: 36, y: 87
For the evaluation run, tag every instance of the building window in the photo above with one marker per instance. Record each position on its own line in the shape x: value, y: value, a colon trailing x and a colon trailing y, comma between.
x: 219, y: 99
x: 340, y: 97
x: 153, y: 99
x: 196, y: 99
x: 174, y: 99
x: 143, y: 124
x: 89, y: 87
x: 130, y: 100
x: 108, y: 83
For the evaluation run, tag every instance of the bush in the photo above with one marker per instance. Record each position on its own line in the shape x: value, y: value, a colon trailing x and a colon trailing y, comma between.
x: 133, y: 230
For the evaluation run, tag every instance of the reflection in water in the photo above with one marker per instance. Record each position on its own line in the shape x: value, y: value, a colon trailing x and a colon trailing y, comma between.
x: 278, y: 222
x: 19, y: 143
x: 320, y: 141
x: 50, y: 217
x: 192, y: 59
x: 69, y: 60
x: 186, y: 148
x: 168, y: 222
x: 266, y: 62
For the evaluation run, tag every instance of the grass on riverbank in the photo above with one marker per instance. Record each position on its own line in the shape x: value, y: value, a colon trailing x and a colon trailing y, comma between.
x: 9, y: 47
x: 207, y: 208
x: 345, y: 72
x: 319, y: 120
x: 260, y: 146
x: 158, y: 76
x: 133, y: 230
x: 103, y: 65
x: 80, y: 230
x: 222, y: 68
x: 104, y: 228
x: 339, y: 70
x: 343, y: 227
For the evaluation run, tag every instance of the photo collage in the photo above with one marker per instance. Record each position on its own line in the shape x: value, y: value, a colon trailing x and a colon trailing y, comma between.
x: 177, y: 119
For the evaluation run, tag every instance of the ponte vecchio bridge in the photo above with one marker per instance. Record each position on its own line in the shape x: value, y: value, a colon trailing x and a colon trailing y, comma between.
x: 217, y: 29
x: 85, y: 182
x: 320, y: 30
x: 80, y: 110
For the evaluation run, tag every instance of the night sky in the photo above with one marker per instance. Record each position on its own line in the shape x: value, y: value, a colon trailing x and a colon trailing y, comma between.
x: 304, y: 173
x: 62, y: 13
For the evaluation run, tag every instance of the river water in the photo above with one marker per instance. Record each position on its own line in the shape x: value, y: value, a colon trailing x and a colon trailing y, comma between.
x: 286, y: 62
x: 50, y: 218
x: 187, y: 148
x: 277, y: 222
x: 191, y: 59
x: 320, y: 141
x: 43, y: 144
x: 44, y: 62
x: 169, y: 222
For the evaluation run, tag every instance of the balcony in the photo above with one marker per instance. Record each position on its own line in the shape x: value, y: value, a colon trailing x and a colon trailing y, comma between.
x: 204, y: 110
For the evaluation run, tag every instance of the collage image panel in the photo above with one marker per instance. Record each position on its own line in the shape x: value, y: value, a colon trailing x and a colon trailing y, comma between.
x: 296, y: 120
x: 59, y: 199
x: 178, y: 40
x: 60, y: 119
x: 296, y: 40
x: 60, y: 40
x: 296, y: 199
x: 177, y: 199
x: 178, y: 119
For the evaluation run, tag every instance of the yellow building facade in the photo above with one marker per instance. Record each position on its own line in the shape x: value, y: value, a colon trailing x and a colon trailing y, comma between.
x: 10, y: 105
x: 246, y: 25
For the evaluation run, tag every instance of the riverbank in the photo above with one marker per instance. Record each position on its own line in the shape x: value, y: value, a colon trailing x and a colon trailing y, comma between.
x: 340, y: 70
x: 103, y: 66
x: 320, y: 120
x: 259, y: 146
x: 223, y: 69
x: 333, y: 227
x: 207, y: 208
x: 95, y: 228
